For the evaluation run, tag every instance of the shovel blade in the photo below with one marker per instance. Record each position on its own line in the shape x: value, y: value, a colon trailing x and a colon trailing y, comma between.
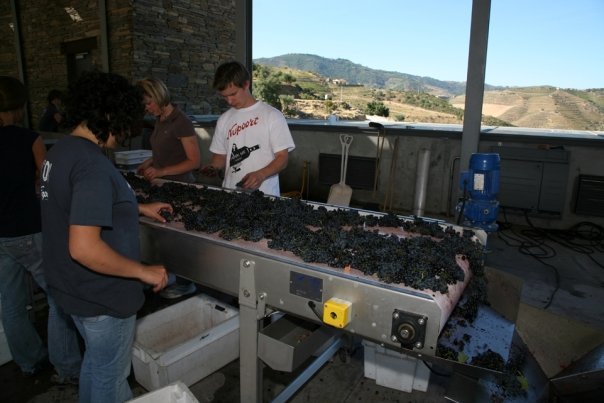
x: 339, y: 194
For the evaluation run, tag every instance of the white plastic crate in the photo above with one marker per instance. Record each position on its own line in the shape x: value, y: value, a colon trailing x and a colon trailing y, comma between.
x: 185, y: 342
x: 176, y: 392
x: 132, y: 157
x: 394, y: 370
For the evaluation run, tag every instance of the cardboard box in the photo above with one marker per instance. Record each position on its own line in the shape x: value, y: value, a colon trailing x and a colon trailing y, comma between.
x: 185, y: 342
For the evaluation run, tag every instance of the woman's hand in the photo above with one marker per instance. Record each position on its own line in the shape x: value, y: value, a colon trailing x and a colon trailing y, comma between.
x: 144, y: 165
x: 153, y: 210
x: 151, y: 173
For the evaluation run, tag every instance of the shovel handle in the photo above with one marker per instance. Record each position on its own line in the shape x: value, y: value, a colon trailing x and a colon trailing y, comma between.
x: 346, y: 140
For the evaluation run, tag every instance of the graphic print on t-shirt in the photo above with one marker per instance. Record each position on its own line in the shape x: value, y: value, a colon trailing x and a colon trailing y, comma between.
x: 238, y: 155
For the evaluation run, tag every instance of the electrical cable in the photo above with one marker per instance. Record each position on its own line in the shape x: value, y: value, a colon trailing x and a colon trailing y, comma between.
x: 435, y: 372
x: 463, y: 201
x: 584, y: 238
x: 566, y: 239
x: 529, y: 243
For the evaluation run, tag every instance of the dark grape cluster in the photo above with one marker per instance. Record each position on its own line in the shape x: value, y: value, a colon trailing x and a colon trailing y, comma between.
x: 489, y: 359
x: 337, y: 237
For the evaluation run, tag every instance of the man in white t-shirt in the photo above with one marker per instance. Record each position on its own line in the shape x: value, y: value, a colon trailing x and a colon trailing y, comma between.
x: 252, y: 140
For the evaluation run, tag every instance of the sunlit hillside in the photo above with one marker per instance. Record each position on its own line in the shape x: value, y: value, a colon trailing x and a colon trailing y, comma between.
x: 544, y: 107
x: 308, y: 94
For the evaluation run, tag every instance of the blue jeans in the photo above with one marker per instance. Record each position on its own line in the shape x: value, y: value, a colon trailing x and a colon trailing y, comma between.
x: 107, y: 358
x: 17, y: 256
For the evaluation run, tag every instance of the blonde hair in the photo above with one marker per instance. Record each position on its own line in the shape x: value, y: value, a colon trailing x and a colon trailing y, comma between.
x: 156, y: 90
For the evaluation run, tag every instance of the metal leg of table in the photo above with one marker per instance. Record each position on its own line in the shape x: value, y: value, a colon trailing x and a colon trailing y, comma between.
x: 250, y: 312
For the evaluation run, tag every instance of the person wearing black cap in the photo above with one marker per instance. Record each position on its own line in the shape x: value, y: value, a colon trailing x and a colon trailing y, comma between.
x: 21, y: 154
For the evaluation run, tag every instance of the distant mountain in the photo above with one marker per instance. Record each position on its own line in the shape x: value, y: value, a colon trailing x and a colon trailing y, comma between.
x: 544, y: 107
x: 357, y: 74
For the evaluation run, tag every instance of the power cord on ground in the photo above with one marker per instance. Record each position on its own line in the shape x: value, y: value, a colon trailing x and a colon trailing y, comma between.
x: 584, y: 238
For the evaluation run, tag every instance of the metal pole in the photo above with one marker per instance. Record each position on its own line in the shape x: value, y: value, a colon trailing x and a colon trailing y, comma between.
x: 19, y: 57
x: 104, y: 39
x: 250, y: 367
x: 477, y: 60
x: 243, y: 35
x: 421, y: 184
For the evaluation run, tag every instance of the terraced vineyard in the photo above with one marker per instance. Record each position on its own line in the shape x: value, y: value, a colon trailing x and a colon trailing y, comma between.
x: 545, y: 107
x: 312, y: 96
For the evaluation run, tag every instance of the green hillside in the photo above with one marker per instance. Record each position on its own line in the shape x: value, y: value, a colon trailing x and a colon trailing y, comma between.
x: 356, y: 74
x: 307, y: 95
x: 309, y: 86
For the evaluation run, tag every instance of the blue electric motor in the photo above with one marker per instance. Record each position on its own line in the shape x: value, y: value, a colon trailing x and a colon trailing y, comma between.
x: 480, y: 185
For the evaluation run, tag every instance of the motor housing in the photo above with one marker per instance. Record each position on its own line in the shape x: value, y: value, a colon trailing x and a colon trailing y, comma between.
x: 480, y: 185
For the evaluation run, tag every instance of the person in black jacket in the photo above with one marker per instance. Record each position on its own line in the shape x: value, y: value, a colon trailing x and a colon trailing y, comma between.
x: 21, y: 154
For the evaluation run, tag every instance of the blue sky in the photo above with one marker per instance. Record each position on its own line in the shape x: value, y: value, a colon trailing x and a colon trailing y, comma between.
x: 531, y: 42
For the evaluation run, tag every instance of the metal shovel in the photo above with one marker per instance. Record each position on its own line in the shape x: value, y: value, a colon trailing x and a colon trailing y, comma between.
x: 340, y: 193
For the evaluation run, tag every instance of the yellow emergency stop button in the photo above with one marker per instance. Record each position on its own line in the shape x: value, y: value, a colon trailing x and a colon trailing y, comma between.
x: 337, y: 312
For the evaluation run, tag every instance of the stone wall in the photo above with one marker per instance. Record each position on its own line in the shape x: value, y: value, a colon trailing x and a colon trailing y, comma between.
x: 45, y: 26
x: 181, y: 42
x: 8, y: 55
x: 178, y: 41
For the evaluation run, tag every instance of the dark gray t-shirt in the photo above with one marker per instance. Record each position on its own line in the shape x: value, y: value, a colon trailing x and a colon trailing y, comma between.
x: 80, y: 186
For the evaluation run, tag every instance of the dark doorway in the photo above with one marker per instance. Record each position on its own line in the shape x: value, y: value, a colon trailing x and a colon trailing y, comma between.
x: 79, y: 56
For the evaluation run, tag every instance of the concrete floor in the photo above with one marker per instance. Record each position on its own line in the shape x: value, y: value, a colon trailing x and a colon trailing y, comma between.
x: 560, y: 318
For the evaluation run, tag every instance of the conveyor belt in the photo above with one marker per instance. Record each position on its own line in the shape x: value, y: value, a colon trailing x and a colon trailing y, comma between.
x: 393, y: 315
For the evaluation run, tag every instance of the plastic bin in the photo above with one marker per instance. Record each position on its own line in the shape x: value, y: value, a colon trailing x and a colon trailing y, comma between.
x: 131, y: 157
x: 176, y: 392
x: 130, y: 160
x: 185, y: 342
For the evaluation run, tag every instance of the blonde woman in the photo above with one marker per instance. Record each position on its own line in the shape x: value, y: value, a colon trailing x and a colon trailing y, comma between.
x: 175, y: 154
x: 174, y: 142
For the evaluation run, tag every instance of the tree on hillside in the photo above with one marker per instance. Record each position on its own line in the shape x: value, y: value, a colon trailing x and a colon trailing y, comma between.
x: 288, y: 103
x: 260, y: 72
x: 288, y: 79
x: 268, y: 91
x: 267, y: 85
x: 330, y: 106
x: 377, y: 108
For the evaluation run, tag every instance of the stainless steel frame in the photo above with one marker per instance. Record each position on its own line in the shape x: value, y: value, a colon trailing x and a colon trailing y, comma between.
x: 218, y: 264
x: 266, y: 280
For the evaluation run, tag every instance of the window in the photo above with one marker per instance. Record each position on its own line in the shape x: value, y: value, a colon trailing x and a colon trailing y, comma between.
x: 408, y: 61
